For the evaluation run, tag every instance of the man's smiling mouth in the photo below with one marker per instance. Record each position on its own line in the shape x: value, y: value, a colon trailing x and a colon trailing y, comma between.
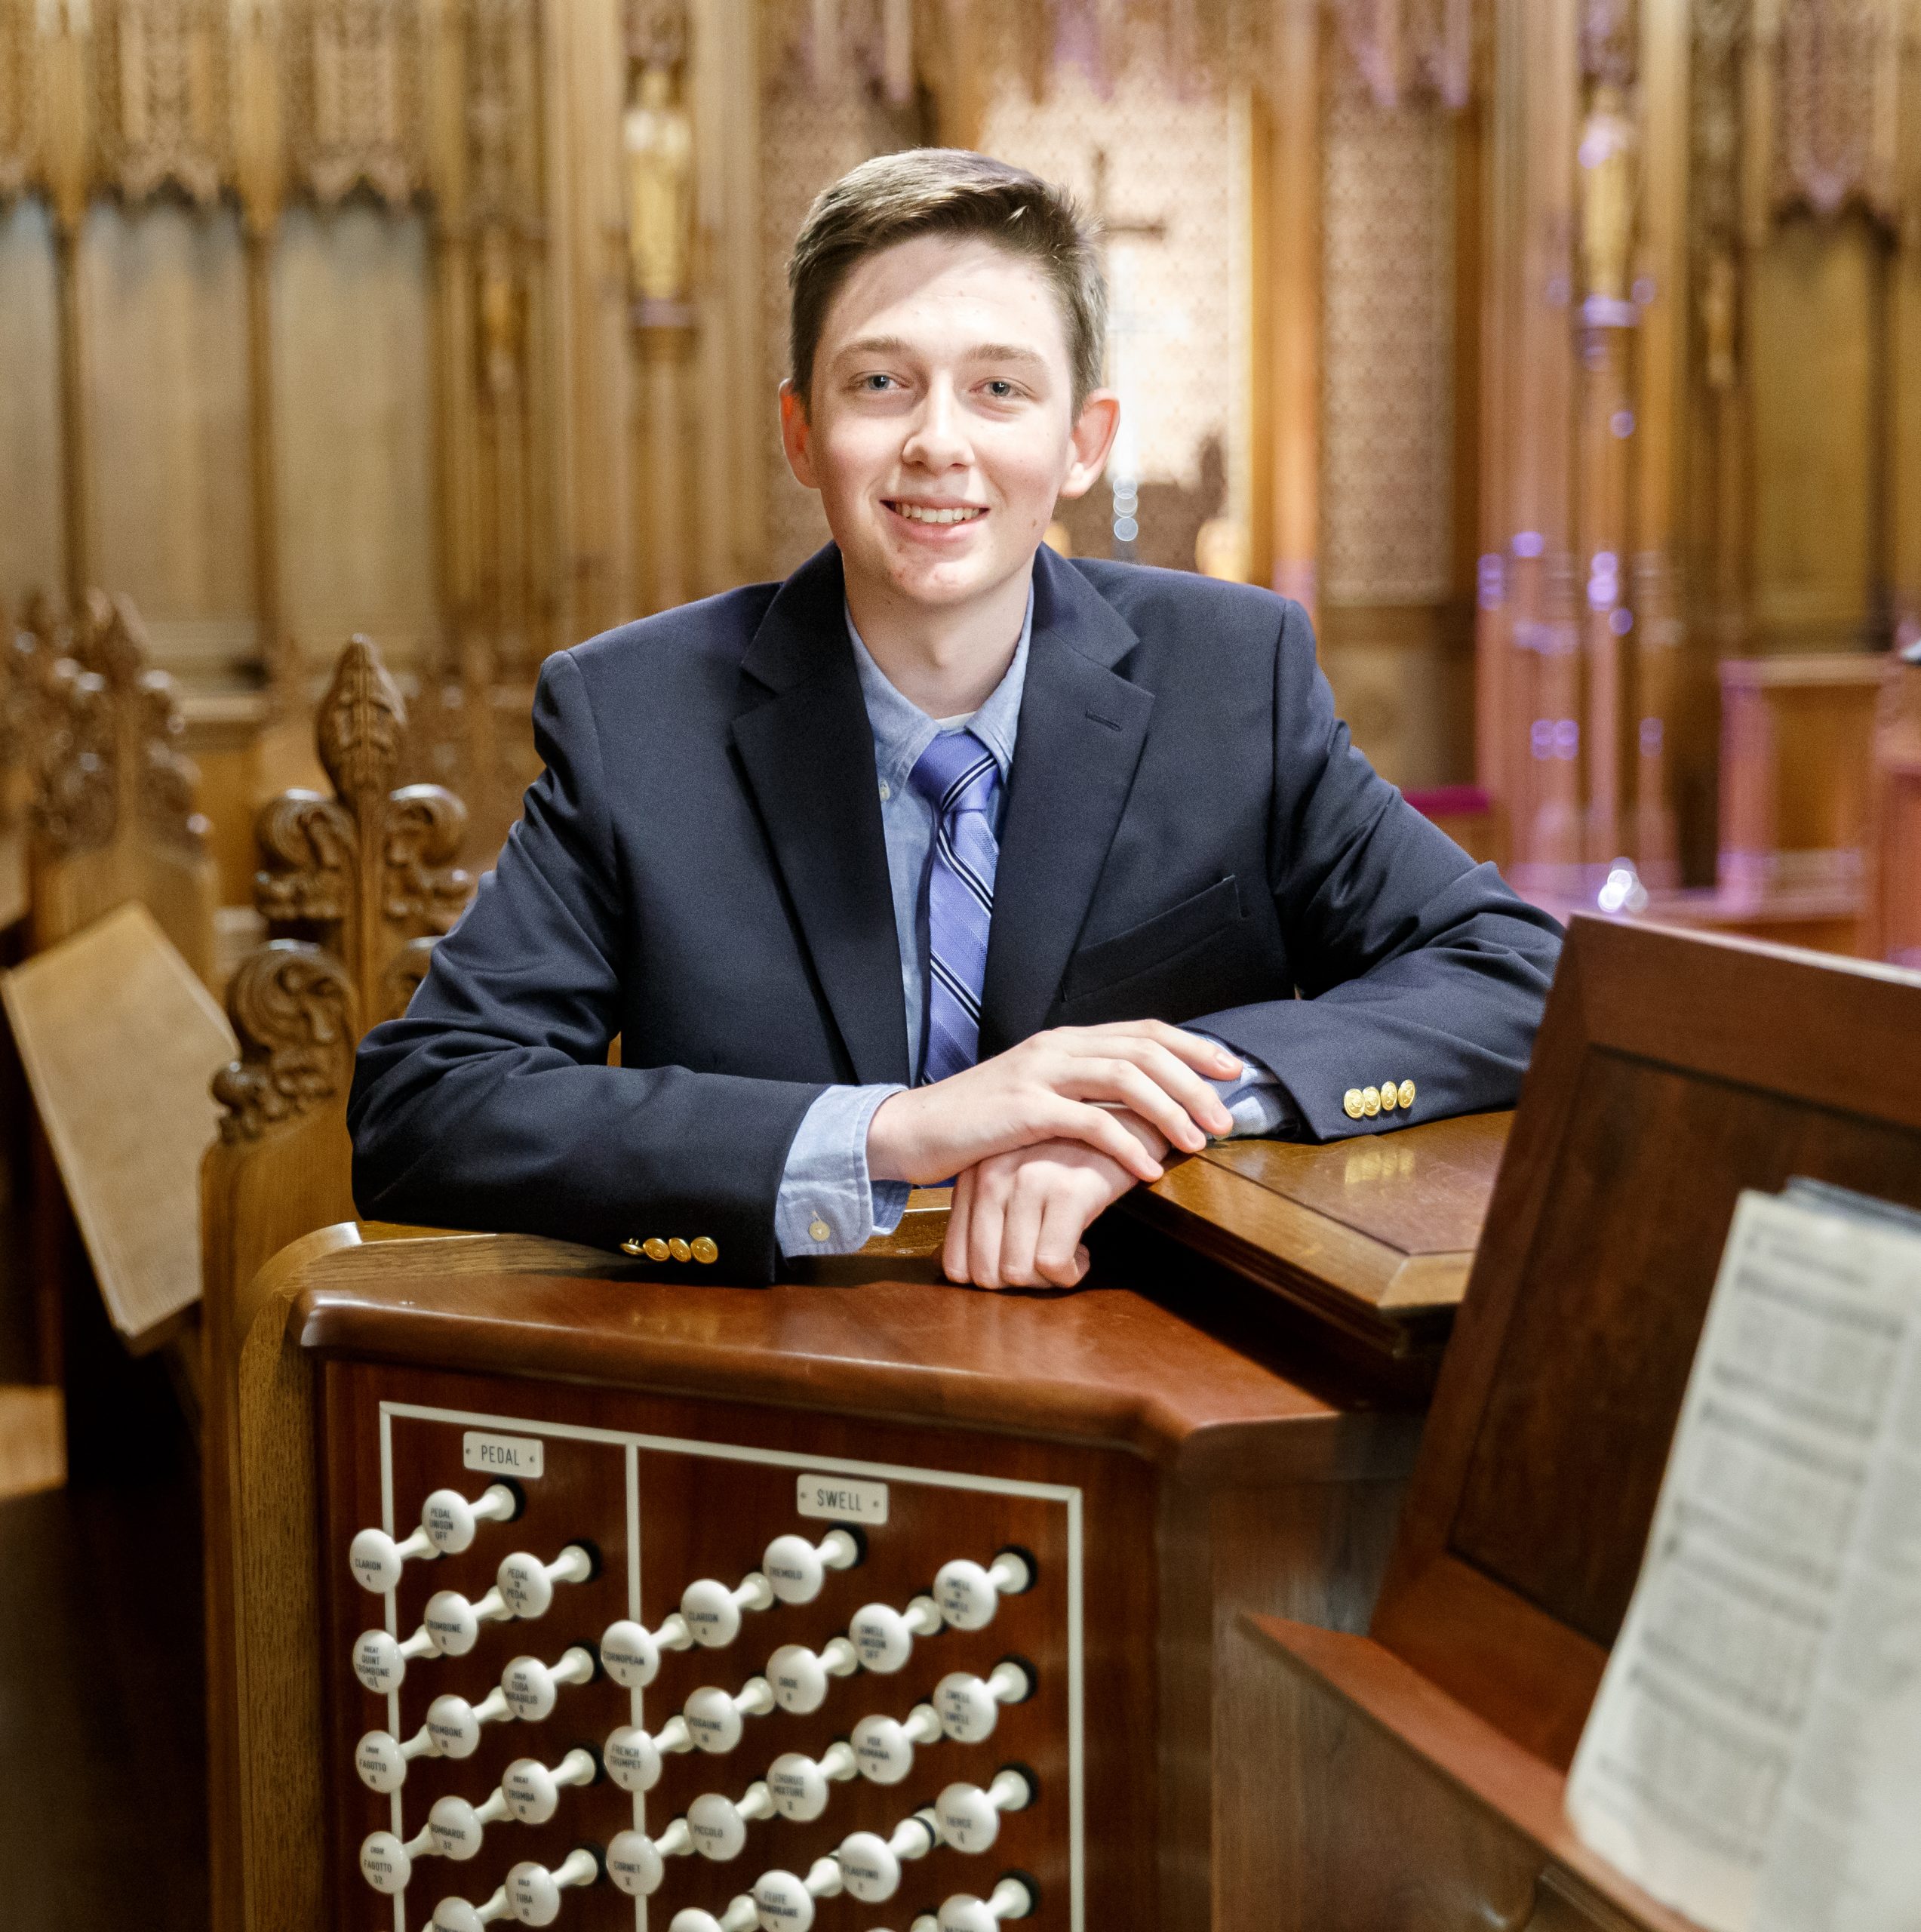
x: 932, y: 513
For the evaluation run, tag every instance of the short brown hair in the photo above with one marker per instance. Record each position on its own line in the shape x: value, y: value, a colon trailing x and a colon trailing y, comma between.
x: 949, y: 192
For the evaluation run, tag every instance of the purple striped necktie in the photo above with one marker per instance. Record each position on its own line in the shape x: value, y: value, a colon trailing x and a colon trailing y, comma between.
x: 957, y: 775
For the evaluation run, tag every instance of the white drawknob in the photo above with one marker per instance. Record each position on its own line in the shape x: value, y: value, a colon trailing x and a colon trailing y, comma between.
x: 970, y: 1817
x: 637, y: 1863
x: 970, y: 1706
x: 741, y: 1916
x: 450, y: 1520
x: 1010, y: 1898
x: 632, y: 1758
x: 382, y: 1760
x: 386, y: 1864
x: 718, y: 1826
x: 798, y: 1784
x: 711, y: 1611
x: 796, y: 1569
x: 532, y: 1792
x: 452, y: 1624
x: 799, y: 1675
x: 884, y: 1637
x: 528, y: 1584
x: 457, y: 1916
x: 532, y: 1687
x: 786, y: 1903
x: 534, y: 1892
x: 630, y: 1654
x: 969, y: 1595
x: 454, y: 1724
x: 375, y: 1559
x: 714, y: 1716
x: 458, y: 1827
x: 380, y: 1660
x: 883, y: 1747
x: 871, y: 1864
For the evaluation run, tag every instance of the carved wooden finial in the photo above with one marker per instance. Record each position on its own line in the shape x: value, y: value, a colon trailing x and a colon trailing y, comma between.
x: 293, y: 1012
x: 365, y: 872
x: 75, y: 803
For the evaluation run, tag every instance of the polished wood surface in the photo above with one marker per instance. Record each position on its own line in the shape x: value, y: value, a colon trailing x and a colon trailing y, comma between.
x: 1375, y: 1236
x: 1671, y: 1072
x: 120, y: 1041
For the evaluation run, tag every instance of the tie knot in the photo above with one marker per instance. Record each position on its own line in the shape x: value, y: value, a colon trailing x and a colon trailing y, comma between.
x: 956, y: 773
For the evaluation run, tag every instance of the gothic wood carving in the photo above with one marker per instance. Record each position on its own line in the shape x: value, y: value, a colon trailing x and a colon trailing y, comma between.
x: 162, y: 96
x: 355, y: 98
x: 371, y: 868
x: 16, y: 129
x: 293, y: 1013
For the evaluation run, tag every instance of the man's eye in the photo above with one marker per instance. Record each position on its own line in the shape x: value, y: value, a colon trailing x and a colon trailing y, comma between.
x: 875, y: 384
x: 1001, y: 390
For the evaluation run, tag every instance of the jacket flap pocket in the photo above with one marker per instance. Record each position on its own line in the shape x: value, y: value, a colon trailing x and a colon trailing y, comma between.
x: 1154, y: 942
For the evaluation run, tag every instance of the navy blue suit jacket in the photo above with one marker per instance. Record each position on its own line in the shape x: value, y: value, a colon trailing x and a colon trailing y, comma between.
x: 1188, y: 835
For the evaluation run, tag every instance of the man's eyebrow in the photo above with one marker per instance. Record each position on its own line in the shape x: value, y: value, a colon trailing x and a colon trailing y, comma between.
x: 894, y: 345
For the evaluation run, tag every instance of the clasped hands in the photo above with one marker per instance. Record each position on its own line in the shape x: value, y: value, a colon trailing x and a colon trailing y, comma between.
x: 1043, y: 1137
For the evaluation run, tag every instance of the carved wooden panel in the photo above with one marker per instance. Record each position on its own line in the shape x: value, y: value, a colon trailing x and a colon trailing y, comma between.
x: 354, y: 97
x: 16, y: 118
x: 162, y: 95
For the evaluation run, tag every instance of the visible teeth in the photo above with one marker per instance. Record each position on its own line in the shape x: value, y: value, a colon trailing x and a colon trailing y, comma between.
x: 915, y: 514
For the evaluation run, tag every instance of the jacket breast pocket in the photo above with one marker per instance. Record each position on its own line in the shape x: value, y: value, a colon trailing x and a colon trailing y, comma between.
x: 1155, y: 945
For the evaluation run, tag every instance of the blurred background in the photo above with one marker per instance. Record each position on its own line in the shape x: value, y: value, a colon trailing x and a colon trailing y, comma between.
x: 1563, y: 357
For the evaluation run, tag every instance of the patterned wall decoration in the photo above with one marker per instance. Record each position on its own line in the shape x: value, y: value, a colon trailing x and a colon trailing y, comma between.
x: 1838, y: 82
x: 354, y: 88
x: 1387, y: 475
x: 162, y: 81
x: 17, y: 64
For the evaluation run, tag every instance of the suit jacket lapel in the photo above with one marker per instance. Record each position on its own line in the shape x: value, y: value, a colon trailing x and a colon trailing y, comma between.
x: 808, y: 752
x: 1082, y: 726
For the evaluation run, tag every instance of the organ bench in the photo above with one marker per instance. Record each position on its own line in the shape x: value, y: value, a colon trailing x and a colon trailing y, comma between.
x: 863, y: 1602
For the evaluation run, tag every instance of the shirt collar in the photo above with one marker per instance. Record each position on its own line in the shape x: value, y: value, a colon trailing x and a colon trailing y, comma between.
x: 902, y: 730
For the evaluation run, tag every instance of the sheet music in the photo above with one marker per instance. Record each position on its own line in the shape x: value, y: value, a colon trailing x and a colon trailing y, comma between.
x: 1758, y: 1722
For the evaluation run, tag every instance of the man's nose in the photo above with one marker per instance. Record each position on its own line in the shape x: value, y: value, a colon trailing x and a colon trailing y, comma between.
x: 938, y: 440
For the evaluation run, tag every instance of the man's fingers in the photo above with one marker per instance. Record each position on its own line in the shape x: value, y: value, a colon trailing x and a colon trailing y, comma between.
x: 1121, y: 1081
x: 1020, y: 1233
x: 953, y: 1251
x: 1095, y: 1127
x: 984, y: 1221
x: 1203, y: 1055
x: 1058, y: 1258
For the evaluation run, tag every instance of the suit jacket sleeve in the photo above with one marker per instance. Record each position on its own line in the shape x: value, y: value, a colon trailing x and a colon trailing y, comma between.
x: 490, y: 1104
x: 1412, y: 962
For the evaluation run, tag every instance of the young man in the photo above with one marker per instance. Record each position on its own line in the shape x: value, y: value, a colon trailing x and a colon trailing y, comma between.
x: 945, y: 858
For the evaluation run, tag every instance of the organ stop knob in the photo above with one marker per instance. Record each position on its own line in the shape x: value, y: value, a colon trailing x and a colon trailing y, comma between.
x: 458, y: 1826
x: 870, y: 1864
x: 447, y: 1524
x: 742, y: 1914
x: 387, y: 1864
x: 799, y: 1676
x: 715, y: 1718
x: 454, y: 1724
x: 637, y: 1863
x: 382, y: 1760
x: 532, y: 1688
x: 884, y: 1746
x: 884, y: 1637
x: 1012, y: 1898
x: 719, y: 1826
x: 459, y: 1915
x: 799, y: 1784
x: 527, y: 1584
x: 796, y: 1569
x: 785, y: 1903
x: 969, y: 1595
x: 970, y: 1817
x: 533, y: 1791
x: 970, y: 1706
x: 534, y: 1893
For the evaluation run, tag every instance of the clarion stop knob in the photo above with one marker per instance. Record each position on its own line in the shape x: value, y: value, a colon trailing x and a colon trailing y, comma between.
x: 969, y: 1595
x: 870, y: 1865
x: 1012, y: 1898
x: 533, y: 1892
x: 376, y: 1560
x: 711, y: 1611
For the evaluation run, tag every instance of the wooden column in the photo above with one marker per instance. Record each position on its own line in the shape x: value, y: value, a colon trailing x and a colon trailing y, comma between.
x: 63, y: 171
x: 1284, y: 263
x: 586, y: 376
x: 1528, y: 623
x: 665, y: 334
x: 1905, y: 350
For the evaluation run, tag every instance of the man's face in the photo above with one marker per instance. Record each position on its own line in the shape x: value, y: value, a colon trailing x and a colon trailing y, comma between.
x: 941, y: 430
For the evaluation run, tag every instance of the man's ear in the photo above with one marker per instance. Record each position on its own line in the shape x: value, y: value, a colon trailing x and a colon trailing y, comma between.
x: 1091, y: 438
x: 796, y: 435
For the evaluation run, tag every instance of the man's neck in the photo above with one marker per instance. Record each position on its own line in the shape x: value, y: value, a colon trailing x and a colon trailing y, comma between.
x: 946, y: 659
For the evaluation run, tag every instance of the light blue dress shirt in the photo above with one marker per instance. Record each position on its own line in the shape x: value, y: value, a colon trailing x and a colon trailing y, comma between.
x: 827, y: 1203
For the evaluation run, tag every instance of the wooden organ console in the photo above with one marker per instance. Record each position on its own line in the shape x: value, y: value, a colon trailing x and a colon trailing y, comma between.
x: 863, y: 1601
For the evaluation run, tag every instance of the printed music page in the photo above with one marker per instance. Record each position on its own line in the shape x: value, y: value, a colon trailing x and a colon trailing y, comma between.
x: 1758, y: 1729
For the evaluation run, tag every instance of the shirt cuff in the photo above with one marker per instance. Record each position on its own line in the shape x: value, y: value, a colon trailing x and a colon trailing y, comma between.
x: 1258, y: 1101
x: 827, y: 1203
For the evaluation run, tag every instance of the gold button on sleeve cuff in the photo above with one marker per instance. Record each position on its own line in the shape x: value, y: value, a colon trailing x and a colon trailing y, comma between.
x: 656, y: 1248
x: 1407, y: 1093
x: 632, y: 1247
x: 819, y: 1230
x: 1351, y: 1102
x: 1370, y: 1101
x: 679, y: 1249
x: 1389, y: 1097
x: 704, y: 1248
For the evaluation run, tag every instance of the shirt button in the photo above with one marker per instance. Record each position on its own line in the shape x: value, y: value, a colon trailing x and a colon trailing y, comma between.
x: 819, y: 1229
x: 887, y: 790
